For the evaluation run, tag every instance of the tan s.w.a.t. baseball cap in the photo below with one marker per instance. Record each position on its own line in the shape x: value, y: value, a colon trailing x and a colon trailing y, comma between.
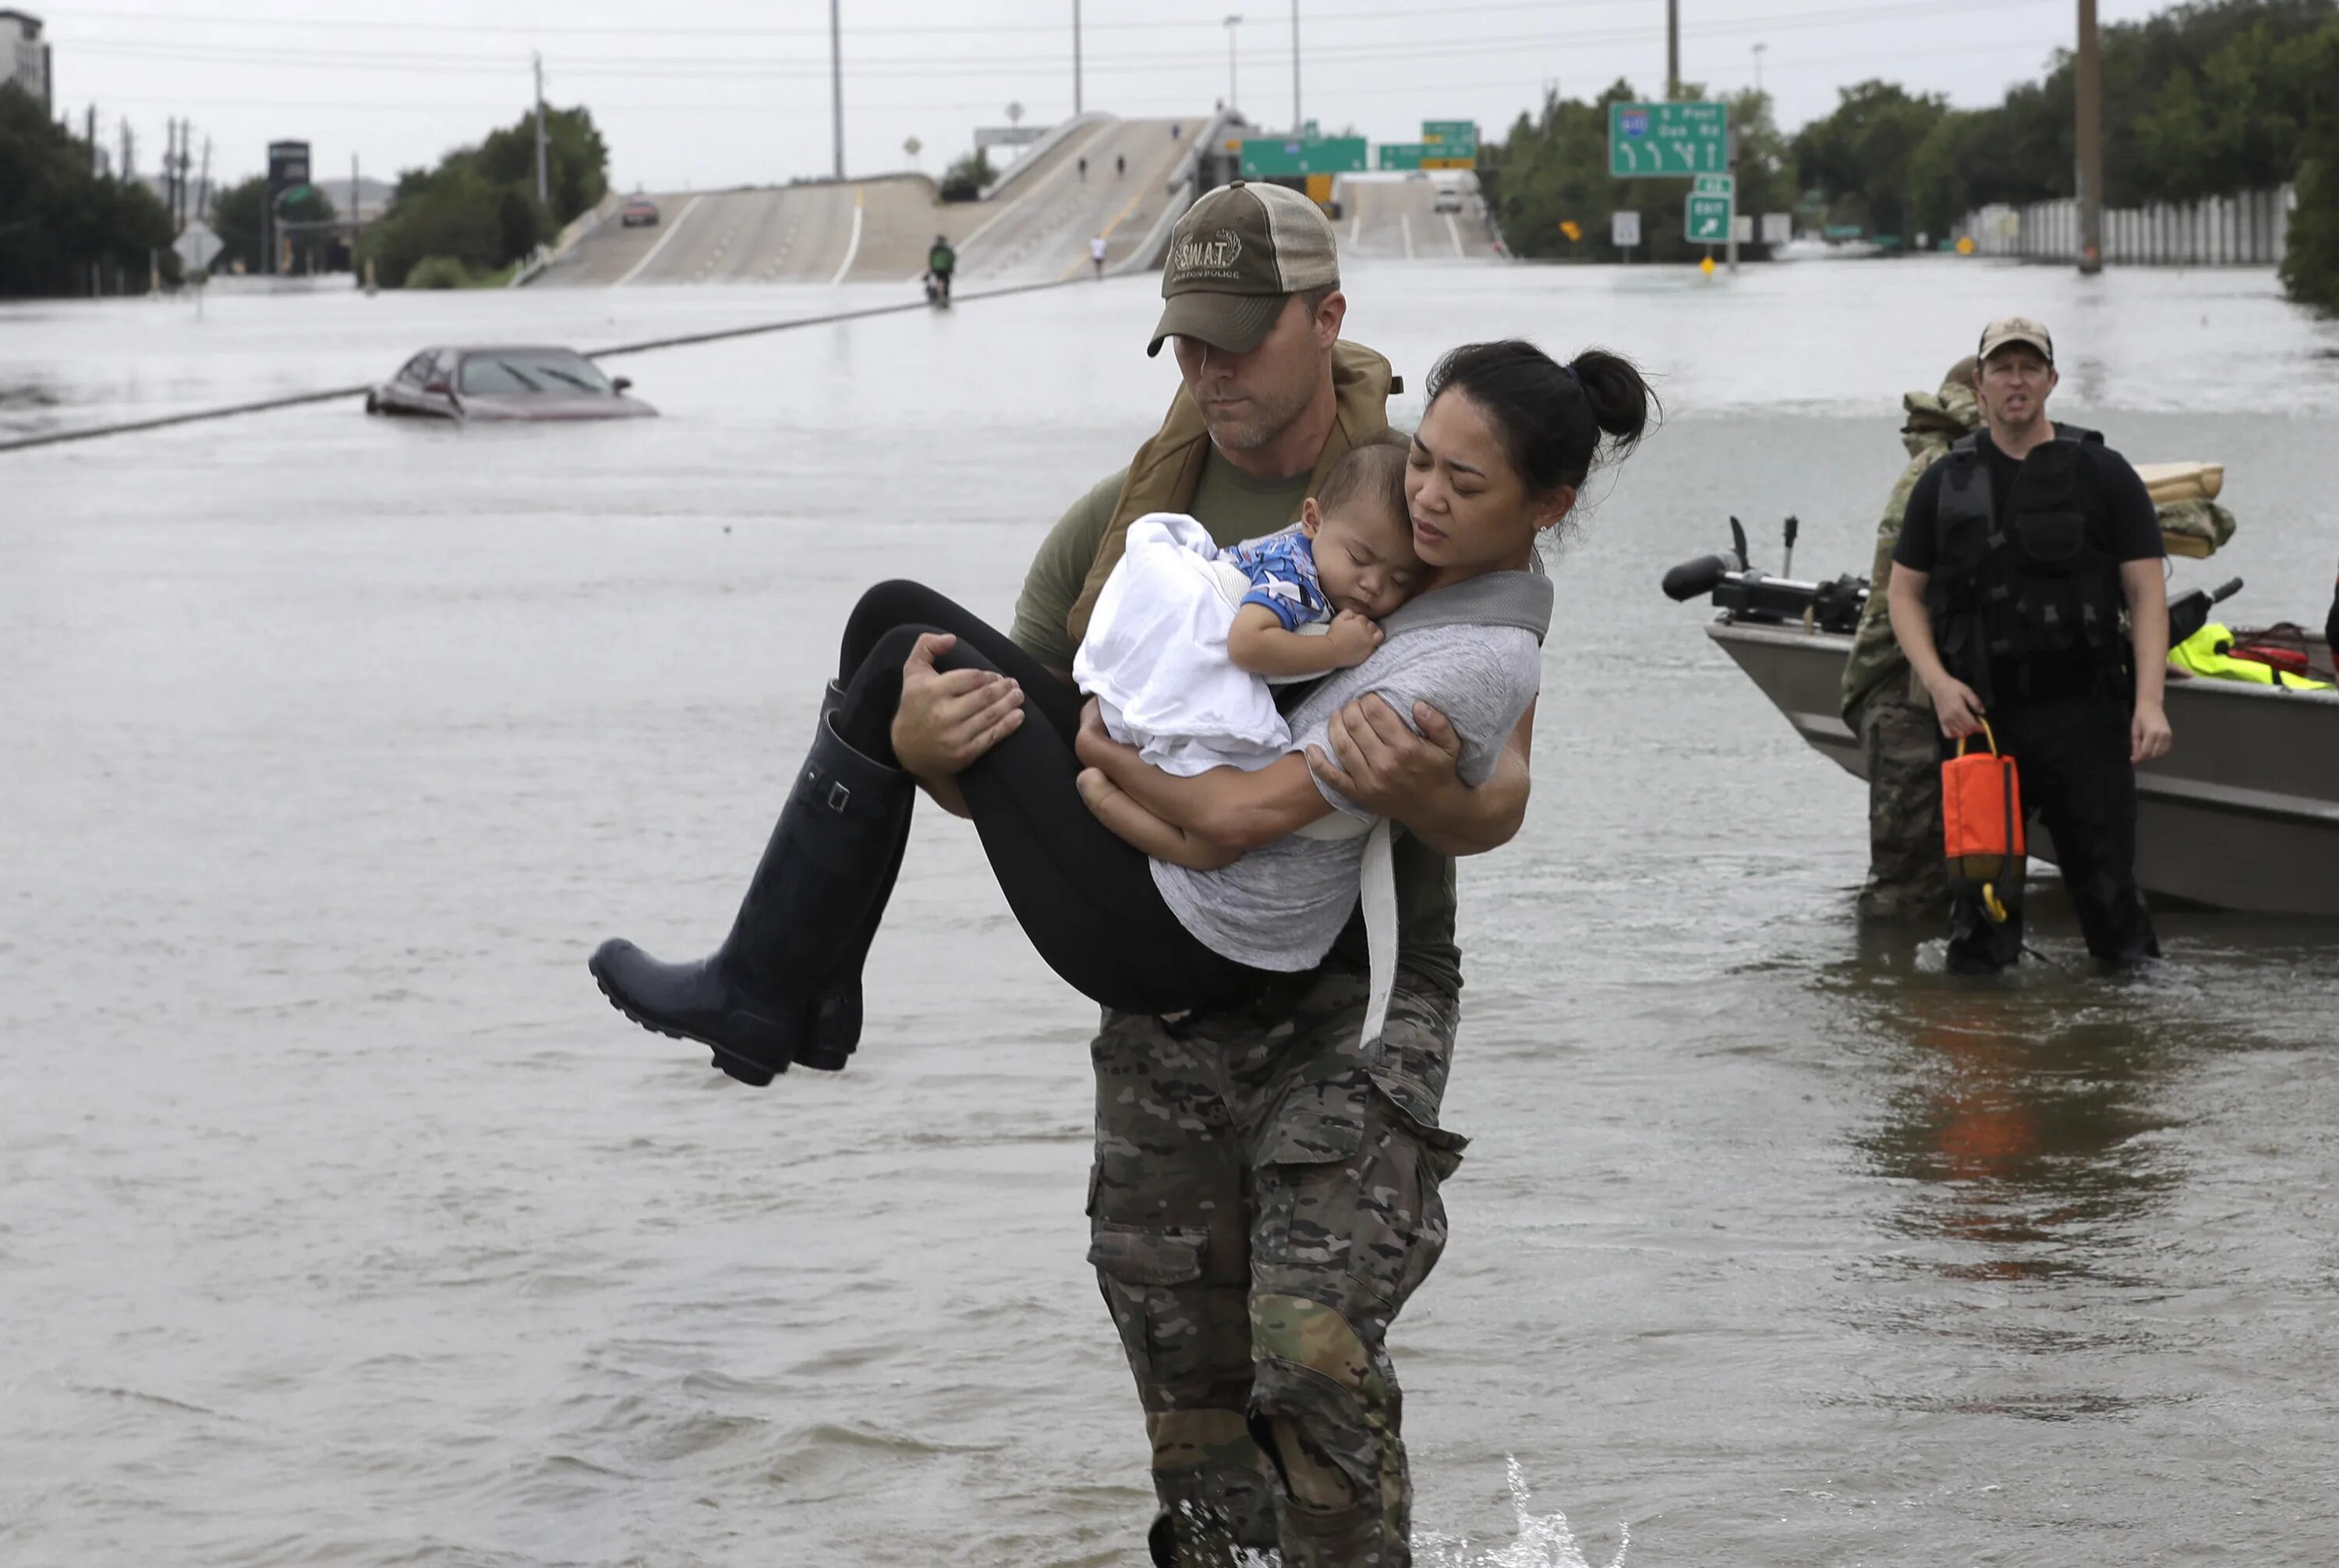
x: 1235, y: 256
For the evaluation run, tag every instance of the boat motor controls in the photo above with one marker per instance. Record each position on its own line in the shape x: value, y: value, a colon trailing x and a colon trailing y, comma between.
x: 1743, y: 592
x: 1747, y: 593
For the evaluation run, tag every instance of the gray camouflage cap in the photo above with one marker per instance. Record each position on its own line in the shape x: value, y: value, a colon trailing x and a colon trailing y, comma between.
x: 1234, y: 257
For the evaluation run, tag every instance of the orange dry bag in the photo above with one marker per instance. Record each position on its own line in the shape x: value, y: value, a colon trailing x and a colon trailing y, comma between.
x: 1981, y: 822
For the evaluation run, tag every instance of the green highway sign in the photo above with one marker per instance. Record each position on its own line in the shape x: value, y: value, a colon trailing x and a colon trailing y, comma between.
x: 1423, y: 156
x: 1715, y: 185
x: 1450, y: 133
x: 1706, y: 220
x: 1652, y: 139
x: 1265, y: 156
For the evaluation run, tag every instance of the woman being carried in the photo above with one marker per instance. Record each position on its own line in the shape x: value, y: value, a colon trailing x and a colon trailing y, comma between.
x: 1204, y: 888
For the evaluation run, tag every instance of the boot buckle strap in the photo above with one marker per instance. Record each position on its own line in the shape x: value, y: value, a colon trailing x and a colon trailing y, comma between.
x: 839, y: 798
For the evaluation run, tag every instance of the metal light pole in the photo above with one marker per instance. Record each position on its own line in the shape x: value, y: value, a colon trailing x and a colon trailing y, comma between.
x: 543, y: 185
x: 1672, y: 50
x: 836, y: 85
x: 1232, y: 22
x: 1759, y: 48
x: 1076, y: 57
x: 1298, y: 125
x: 2089, y: 139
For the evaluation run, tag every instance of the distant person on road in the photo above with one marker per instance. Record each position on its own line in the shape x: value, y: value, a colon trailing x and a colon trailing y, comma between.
x: 941, y: 261
x: 1096, y: 255
x: 1120, y: 166
x: 1175, y: 131
x: 2018, y: 554
x: 1084, y: 168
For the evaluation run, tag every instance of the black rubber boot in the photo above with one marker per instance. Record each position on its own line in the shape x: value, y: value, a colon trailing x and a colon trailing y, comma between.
x: 836, y: 1016
x: 753, y: 999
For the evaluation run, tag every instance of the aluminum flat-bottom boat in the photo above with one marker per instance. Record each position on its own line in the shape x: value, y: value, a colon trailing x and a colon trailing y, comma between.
x: 2242, y: 813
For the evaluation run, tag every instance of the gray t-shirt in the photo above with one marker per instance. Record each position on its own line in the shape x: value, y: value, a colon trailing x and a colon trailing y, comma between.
x: 1281, y: 905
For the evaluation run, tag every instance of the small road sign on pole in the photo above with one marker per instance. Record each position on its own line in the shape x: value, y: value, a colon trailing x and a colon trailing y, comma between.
x: 1706, y: 219
x: 1623, y: 230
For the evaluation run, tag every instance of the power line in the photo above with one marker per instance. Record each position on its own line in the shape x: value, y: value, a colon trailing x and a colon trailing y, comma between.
x: 636, y: 65
x: 209, y: 21
x: 765, y: 107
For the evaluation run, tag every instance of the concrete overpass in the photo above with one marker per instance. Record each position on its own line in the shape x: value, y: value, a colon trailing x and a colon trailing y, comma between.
x: 1037, y: 225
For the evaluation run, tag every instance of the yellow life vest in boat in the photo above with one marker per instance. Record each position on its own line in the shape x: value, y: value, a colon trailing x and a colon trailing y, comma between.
x: 2207, y: 653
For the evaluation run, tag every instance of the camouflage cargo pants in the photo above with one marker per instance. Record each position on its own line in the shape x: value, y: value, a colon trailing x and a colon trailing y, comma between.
x: 1264, y: 1199
x: 1901, y: 741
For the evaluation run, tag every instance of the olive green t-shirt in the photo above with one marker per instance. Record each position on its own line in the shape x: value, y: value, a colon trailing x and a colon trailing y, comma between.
x: 1234, y: 507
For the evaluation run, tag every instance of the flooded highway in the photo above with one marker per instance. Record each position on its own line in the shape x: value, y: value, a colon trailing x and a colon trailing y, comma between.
x: 342, y: 1221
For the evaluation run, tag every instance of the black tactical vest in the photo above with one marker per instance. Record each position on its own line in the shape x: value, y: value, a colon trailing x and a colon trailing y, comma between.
x: 2039, y: 585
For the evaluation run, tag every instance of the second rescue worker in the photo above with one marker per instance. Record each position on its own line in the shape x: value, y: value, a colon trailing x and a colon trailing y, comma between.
x: 2020, y: 551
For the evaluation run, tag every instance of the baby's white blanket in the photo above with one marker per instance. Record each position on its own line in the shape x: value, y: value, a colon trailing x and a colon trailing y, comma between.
x: 1155, y: 656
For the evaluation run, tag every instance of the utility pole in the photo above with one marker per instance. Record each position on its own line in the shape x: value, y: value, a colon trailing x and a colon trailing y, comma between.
x: 1759, y: 50
x: 836, y: 85
x: 543, y: 184
x: 356, y: 228
x: 1232, y: 22
x: 2090, y: 145
x: 1298, y: 125
x: 1076, y: 57
x: 129, y: 151
x: 89, y: 134
x: 1672, y: 51
x: 204, y: 186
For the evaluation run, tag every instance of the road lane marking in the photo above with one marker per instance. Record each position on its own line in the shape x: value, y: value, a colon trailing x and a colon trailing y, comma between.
x: 1456, y: 232
x: 1405, y: 221
x: 1357, y: 223
x: 851, y: 246
x: 664, y: 240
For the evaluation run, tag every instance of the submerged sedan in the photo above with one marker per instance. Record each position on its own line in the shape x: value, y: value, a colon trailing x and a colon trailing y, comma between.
x: 511, y: 383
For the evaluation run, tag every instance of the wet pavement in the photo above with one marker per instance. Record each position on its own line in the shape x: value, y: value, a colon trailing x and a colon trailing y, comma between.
x: 343, y: 1221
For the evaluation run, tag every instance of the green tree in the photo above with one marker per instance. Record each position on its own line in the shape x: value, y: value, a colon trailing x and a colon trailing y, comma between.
x: 966, y: 180
x: 238, y: 218
x: 477, y: 208
x: 2310, y: 265
x: 58, y: 219
x: 1863, y: 154
x: 576, y: 161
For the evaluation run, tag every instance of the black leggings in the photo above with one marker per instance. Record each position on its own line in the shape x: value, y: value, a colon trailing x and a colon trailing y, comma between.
x: 1084, y: 895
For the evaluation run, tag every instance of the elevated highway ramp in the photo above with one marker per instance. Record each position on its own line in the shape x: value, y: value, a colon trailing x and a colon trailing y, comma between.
x: 1036, y: 228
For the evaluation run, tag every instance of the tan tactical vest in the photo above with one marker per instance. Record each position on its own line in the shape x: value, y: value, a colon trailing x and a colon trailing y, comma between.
x: 1168, y: 469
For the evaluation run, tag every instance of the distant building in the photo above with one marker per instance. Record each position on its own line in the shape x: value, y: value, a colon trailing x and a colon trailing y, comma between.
x: 24, y: 58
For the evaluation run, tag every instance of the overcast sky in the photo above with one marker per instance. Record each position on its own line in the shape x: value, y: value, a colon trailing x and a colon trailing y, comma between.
x: 712, y: 92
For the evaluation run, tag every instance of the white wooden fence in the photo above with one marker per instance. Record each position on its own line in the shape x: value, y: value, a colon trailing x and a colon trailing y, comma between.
x: 2248, y: 230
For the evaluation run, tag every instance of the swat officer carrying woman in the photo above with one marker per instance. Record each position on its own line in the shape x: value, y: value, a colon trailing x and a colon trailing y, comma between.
x: 2019, y: 553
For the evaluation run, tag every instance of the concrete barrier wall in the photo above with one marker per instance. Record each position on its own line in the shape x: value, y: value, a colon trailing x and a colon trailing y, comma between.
x: 584, y: 223
x: 2248, y: 230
